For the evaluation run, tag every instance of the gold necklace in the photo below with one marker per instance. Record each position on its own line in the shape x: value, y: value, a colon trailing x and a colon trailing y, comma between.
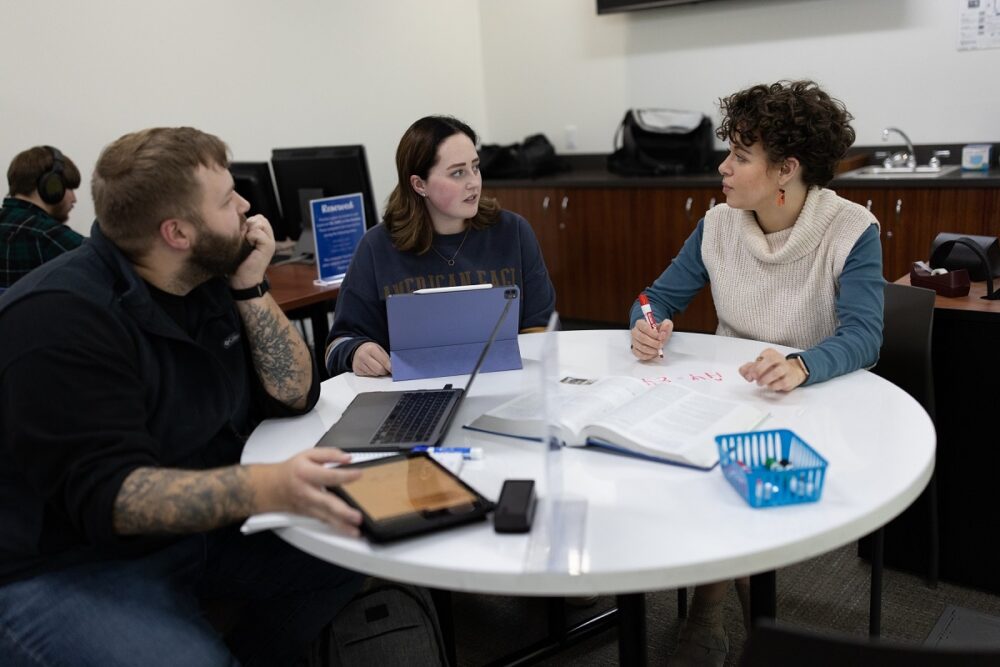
x: 451, y: 262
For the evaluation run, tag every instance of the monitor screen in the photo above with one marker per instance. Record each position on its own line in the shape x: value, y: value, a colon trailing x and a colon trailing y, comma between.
x: 612, y: 6
x: 303, y: 174
x: 253, y: 183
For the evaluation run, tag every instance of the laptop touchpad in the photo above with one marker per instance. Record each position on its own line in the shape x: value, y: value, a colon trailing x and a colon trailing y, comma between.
x: 355, y: 428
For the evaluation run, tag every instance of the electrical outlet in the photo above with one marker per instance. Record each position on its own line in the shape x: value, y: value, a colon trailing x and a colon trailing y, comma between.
x: 571, y: 137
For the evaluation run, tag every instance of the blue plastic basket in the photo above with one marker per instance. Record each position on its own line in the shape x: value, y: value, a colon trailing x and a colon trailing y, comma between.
x: 747, y: 462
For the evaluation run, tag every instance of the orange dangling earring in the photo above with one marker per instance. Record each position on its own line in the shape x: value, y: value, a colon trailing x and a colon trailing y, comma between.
x: 781, y: 197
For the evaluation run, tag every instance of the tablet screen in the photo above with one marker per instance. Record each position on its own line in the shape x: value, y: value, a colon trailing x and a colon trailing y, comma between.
x: 406, y: 486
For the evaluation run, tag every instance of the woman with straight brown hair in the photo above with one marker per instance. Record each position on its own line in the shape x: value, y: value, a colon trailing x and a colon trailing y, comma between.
x: 437, y: 231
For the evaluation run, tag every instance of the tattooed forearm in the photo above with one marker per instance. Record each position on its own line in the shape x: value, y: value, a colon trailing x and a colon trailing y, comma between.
x: 279, y: 353
x: 163, y: 500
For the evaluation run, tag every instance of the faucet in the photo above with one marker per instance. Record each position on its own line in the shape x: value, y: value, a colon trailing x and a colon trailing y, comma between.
x: 900, y: 159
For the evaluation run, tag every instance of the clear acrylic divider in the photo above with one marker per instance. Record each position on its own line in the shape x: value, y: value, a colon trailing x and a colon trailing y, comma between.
x: 557, y: 541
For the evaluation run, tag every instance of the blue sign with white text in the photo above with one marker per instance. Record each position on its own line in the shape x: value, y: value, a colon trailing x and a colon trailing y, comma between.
x: 338, y: 225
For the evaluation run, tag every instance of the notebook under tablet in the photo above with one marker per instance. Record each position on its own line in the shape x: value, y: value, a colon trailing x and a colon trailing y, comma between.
x: 389, y: 421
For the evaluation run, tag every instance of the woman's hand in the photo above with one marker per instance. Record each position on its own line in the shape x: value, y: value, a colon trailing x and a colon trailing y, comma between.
x: 648, y: 343
x: 773, y: 371
x: 371, y: 360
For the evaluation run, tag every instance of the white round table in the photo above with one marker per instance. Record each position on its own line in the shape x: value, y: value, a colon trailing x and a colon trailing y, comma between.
x: 648, y: 526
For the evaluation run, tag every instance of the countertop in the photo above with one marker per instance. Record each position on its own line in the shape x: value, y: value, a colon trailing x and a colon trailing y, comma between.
x: 589, y: 171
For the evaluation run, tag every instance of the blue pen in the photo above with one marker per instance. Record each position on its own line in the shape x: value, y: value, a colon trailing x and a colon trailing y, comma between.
x: 468, y: 453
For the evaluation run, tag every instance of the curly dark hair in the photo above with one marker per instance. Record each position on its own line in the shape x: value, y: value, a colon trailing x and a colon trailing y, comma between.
x: 791, y: 119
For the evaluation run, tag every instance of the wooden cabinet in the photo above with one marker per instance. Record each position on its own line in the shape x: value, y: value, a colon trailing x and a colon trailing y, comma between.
x: 912, y: 217
x: 602, y: 246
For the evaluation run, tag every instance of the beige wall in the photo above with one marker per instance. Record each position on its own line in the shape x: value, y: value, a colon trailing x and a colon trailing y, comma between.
x: 894, y: 62
x: 265, y: 74
x: 259, y: 73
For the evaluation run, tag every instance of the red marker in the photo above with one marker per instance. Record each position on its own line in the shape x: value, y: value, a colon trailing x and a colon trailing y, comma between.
x: 648, y: 312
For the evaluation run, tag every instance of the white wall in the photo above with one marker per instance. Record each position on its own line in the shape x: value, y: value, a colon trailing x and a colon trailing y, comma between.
x: 893, y: 62
x: 263, y: 74
x: 259, y: 73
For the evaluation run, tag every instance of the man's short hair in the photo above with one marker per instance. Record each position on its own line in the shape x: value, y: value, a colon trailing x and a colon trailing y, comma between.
x: 29, y: 165
x: 147, y: 177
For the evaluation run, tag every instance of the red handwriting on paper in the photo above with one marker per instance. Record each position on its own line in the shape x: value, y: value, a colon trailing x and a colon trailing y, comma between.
x: 705, y: 375
x: 714, y: 376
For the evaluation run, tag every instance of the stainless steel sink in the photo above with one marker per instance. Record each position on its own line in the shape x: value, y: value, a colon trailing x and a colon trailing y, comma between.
x: 901, y: 172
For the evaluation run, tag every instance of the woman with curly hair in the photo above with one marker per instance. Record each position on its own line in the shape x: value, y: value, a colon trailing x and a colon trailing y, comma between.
x: 789, y: 263
x: 437, y: 231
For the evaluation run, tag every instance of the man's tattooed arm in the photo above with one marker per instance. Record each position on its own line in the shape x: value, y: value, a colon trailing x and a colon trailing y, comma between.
x: 167, y: 500
x: 280, y: 355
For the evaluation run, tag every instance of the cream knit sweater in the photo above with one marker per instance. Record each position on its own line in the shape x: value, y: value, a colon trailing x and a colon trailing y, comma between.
x: 782, y: 287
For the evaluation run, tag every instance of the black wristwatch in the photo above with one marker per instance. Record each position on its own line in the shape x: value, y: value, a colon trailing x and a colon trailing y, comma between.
x: 258, y: 290
x: 801, y: 362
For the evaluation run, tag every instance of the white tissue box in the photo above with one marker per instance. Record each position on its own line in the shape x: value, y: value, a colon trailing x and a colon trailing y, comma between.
x: 976, y: 157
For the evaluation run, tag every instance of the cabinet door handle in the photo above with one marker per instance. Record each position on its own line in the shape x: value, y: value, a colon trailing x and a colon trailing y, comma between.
x: 711, y: 203
x: 565, y: 203
x: 687, y: 207
x: 869, y: 206
x: 545, y: 203
x: 899, y: 208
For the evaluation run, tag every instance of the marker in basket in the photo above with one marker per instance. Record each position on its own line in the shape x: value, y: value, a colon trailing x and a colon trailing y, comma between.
x: 647, y: 311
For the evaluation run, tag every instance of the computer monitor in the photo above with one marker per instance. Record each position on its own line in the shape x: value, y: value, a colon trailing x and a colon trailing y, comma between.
x: 303, y: 174
x: 253, y: 183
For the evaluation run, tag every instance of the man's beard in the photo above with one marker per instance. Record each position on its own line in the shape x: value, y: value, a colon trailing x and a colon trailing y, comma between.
x: 217, y: 256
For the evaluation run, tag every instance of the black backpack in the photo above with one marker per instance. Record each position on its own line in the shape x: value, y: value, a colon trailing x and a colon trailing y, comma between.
x: 387, y: 624
x: 660, y: 142
x: 535, y: 156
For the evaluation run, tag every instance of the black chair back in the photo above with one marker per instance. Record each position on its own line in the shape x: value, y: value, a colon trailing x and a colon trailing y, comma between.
x: 905, y: 358
x: 771, y: 645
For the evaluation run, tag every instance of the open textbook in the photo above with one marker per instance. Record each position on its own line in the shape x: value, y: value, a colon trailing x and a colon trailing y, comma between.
x: 667, y: 422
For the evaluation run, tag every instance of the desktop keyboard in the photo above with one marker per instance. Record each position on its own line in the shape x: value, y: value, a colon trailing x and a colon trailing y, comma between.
x: 414, y: 417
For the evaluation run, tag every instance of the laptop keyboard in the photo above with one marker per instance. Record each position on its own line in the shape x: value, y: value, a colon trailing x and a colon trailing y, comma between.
x: 414, y: 417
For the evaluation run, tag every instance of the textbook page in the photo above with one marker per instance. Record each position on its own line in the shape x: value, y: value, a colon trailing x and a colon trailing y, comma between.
x: 578, y: 403
x: 675, y: 423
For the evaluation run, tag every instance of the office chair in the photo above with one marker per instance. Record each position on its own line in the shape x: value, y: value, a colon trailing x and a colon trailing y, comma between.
x: 770, y: 644
x: 905, y: 361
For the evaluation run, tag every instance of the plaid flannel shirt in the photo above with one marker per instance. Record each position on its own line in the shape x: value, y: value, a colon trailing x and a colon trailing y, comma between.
x: 29, y: 237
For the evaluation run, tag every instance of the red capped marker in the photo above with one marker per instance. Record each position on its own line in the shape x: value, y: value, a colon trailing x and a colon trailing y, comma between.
x: 647, y: 311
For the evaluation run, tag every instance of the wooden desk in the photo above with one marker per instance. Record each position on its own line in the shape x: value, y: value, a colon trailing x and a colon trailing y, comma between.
x: 293, y: 288
x: 966, y: 360
x: 970, y: 304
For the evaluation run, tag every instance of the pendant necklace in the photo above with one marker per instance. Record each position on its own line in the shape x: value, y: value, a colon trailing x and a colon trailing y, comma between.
x: 451, y: 261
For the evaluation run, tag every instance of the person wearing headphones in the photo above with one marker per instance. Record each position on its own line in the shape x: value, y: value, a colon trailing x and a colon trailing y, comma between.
x: 42, y: 182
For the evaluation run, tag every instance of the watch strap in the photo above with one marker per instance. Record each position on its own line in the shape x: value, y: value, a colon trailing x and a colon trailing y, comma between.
x: 258, y: 290
x: 802, y: 362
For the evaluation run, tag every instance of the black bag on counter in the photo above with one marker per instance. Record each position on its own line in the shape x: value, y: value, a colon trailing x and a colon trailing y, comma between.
x: 535, y: 156
x: 657, y: 142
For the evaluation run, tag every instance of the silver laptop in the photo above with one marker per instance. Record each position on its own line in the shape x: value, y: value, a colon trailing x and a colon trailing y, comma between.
x: 389, y: 421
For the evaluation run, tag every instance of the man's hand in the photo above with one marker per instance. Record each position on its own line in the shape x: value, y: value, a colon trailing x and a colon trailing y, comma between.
x: 647, y: 342
x: 260, y: 238
x: 371, y: 360
x: 299, y: 485
x: 165, y: 500
x: 773, y: 371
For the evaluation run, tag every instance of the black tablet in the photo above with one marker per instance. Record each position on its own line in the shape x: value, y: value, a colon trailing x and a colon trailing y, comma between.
x: 408, y: 494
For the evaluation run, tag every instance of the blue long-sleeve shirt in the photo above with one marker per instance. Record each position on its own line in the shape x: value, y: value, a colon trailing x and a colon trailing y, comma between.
x: 859, y: 302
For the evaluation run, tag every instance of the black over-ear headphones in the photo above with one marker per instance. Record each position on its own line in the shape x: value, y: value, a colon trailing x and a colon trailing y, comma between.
x: 52, y: 183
